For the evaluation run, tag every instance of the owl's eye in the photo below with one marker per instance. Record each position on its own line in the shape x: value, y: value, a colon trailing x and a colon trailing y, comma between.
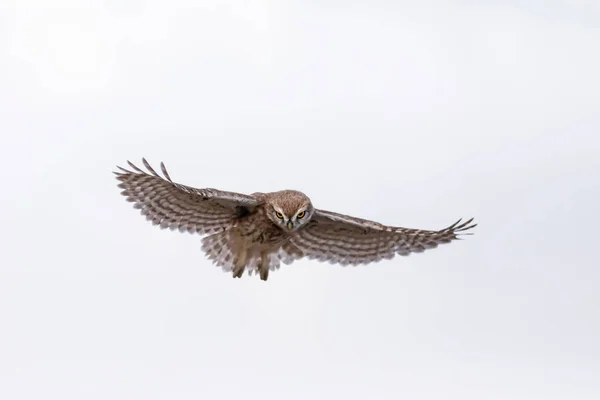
x: 279, y: 215
x: 301, y: 214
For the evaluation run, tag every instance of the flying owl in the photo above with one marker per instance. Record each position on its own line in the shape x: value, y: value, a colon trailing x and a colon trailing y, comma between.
x: 258, y: 232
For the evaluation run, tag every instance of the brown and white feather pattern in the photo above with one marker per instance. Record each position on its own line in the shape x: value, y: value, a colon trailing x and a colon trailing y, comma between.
x: 345, y: 240
x: 244, y: 235
x: 222, y: 250
x: 175, y: 206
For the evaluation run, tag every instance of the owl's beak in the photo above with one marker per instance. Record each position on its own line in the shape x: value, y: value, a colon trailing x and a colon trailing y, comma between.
x: 290, y: 225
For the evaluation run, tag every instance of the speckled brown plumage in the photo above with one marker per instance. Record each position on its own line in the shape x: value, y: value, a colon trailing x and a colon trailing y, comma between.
x: 258, y: 232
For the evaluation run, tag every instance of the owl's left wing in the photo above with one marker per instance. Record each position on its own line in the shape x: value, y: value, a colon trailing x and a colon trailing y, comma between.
x: 343, y: 239
x: 176, y: 206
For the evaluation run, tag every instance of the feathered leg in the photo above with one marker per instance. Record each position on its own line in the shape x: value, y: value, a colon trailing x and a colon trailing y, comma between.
x: 240, y: 263
x: 263, y: 266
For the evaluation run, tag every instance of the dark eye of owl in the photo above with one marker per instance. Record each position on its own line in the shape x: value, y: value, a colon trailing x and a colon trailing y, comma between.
x: 279, y: 215
x: 301, y: 214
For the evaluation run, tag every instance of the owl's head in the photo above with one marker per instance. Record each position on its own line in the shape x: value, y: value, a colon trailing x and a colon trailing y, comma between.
x: 289, y: 209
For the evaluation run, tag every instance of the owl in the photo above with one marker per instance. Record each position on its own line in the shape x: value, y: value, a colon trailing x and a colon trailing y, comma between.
x: 260, y: 231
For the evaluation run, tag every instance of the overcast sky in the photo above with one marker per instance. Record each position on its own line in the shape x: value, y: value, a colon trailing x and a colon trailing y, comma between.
x: 409, y: 115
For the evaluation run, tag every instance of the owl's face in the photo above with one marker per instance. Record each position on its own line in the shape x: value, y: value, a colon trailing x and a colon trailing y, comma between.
x: 289, y: 209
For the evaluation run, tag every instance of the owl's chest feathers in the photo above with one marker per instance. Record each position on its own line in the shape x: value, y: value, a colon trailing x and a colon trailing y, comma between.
x: 257, y: 230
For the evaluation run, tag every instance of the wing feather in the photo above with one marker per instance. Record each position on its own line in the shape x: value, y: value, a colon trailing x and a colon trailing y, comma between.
x: 176, y: 206
x: 346, y: 240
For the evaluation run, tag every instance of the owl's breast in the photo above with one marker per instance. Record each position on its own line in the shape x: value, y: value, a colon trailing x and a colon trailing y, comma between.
x: 257, y: 229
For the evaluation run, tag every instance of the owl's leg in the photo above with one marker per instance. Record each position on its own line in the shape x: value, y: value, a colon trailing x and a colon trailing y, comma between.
x: 240, y: 263
x: 263, y: 266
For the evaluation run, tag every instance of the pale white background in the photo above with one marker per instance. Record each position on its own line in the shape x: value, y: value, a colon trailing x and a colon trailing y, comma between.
x: 409, y: 115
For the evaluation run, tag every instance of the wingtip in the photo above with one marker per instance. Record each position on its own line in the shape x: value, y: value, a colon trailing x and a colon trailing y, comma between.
x: 459, y: 227
x: 122, y: 171
x: 467, y: 225
x: 163, y: 169
x: 148, y: 170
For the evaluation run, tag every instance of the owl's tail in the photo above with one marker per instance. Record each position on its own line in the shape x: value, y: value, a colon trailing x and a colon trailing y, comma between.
x: 226, y: 250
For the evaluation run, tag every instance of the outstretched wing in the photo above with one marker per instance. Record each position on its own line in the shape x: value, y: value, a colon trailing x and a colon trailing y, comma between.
x: 175, y: 206
x: 342, y: 239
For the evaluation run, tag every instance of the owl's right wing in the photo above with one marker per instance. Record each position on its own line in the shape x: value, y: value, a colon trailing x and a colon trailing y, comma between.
x: 342, y: 239
x: 176, y: 206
